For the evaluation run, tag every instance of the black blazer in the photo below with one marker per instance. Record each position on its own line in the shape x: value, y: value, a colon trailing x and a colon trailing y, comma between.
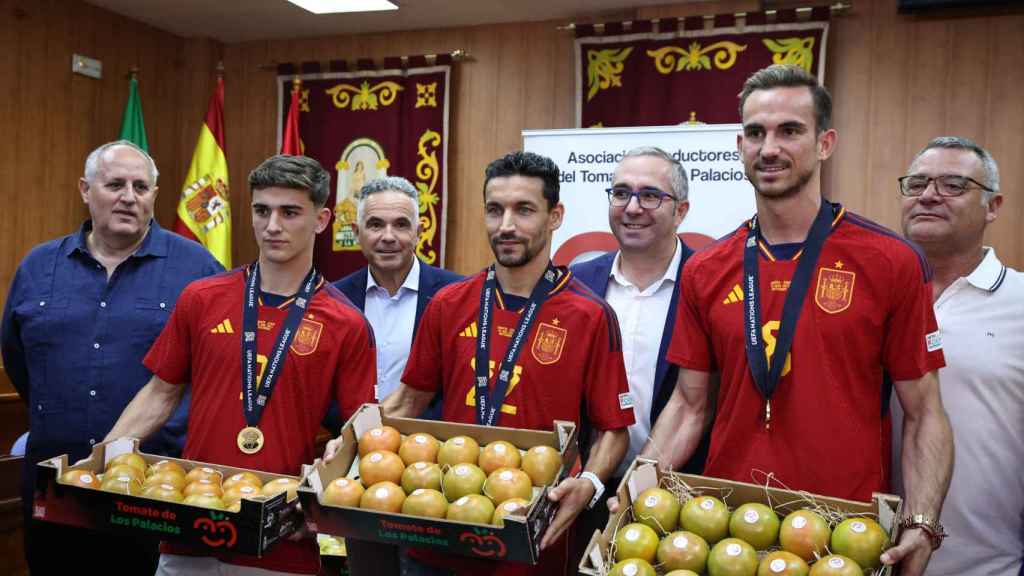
x: 353, y: 286
x: 595, y: 274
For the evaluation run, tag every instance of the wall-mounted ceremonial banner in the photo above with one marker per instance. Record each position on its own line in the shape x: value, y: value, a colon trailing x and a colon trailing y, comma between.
x: 368, y: 124
x: 663, y: 72
x: 720, y: 196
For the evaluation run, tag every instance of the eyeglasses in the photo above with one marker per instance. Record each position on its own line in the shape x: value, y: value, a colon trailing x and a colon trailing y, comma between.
x: 649, y: 198
x: 948, y: 185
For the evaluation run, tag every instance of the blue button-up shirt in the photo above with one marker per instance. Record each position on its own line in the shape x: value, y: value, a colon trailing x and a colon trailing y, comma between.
x: 73, y: 341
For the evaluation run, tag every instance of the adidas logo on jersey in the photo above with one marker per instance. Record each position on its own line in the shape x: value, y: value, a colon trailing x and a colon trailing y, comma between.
x: 735, y: 295
x: 469, y: 331
x: 223, y: 328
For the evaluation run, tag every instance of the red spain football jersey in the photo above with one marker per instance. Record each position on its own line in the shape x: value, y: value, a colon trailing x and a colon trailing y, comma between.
x: 332, y: 356
x: 573, y: 355
x: 572, y: 360
x: 868, y: 310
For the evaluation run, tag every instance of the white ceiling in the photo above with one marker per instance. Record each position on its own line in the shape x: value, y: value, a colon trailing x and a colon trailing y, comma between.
x: 232, y: 21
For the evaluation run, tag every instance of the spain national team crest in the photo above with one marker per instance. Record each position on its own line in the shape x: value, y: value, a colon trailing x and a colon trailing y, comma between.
x: 548, y: 343
x: 307, y: 337
x: 835, y: 290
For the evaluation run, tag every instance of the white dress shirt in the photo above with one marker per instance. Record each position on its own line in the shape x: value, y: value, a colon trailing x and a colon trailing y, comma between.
x: 393, y: 319
x: 642, y: 322
x: 981, y: 319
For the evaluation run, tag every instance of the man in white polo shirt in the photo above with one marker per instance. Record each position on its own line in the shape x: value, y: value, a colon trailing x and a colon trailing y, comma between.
x: 950, y: 194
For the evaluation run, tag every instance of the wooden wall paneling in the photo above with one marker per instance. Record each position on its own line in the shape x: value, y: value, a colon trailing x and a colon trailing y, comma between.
x: 1005, y: 121
x: 30, y: 130
x: 98, y: 27
x: 60, y: 124
x: 540, y: 96
x: 969, y: 78
x: 710, y: 7
x: 183, y: 88
x: 106, y: 48
x: 848, y: 77
x: 325, y: 47
x: 510, y: 87
x: 478, y: 114
x: 887, y: 112
x: 80, y: 135
x: 236, y: 74
x: 563, y: 54
x: 154, y: 69
x: 262, y: 120
x: 119, y: 49
x: 235, y: 77
x: 10, y: 26
x: 929, y: 52
x: 256, y: 97
x: 160, y: 88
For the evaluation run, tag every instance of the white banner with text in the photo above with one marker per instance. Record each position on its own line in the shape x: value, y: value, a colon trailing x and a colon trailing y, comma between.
x: 720, y: 196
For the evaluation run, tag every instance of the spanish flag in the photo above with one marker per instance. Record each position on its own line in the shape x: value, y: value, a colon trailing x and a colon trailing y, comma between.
x: 203, y: 212
x: 291, y: 143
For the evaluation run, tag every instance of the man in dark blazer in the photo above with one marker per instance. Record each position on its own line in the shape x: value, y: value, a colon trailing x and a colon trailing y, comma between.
x: 394, y: 288
x: 647, y: 202
x: 392, y: 291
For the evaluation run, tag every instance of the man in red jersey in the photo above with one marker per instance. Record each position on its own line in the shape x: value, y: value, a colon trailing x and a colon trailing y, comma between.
x: 302, y: 345
x: 550, y: 349
x: 806, y: 310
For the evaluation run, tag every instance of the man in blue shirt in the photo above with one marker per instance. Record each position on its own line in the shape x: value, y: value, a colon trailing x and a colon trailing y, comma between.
x: 392, y: 291
x: 81, y: 313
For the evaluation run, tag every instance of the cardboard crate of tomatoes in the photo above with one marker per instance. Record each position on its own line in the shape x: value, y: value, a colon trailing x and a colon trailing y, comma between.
x: 470, y: 490
x: 685, y: 525
x: 121, y: 489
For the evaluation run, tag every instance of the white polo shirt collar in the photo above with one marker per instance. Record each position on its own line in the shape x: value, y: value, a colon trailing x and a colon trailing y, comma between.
x: 989, y: 275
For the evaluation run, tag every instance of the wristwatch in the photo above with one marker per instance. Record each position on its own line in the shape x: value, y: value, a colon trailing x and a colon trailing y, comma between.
x: 598, y: 486
x: 931, y: 527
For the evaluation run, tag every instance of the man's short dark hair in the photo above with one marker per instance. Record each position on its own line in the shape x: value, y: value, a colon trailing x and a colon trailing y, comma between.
x: 529, y: 165
x: 295, y: 172
x: 791, y: 76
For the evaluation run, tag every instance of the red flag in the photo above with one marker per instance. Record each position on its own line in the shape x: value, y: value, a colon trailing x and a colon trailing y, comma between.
x: 291, y: 143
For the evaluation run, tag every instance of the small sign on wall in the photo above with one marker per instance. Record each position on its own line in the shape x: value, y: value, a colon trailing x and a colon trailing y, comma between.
x: 86, y: 66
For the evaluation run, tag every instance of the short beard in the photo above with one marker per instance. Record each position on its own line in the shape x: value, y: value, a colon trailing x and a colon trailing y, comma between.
x: 785, y: 192
x: 512, y: 261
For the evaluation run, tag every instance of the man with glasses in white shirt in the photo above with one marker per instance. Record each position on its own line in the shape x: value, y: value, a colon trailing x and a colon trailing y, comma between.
x: 949, y: 196
x: 647, y: 203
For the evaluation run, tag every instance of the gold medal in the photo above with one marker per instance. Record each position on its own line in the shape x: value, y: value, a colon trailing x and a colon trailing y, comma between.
x: 250, y: 440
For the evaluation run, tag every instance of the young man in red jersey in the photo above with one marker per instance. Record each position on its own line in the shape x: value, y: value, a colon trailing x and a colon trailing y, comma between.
x: 806, y: 310
x: 302, y: 345
x: 549, y: 348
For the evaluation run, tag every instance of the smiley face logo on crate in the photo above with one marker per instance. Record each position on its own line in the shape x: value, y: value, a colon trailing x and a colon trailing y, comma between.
x: 484, y: 543
x: 218, y: 531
